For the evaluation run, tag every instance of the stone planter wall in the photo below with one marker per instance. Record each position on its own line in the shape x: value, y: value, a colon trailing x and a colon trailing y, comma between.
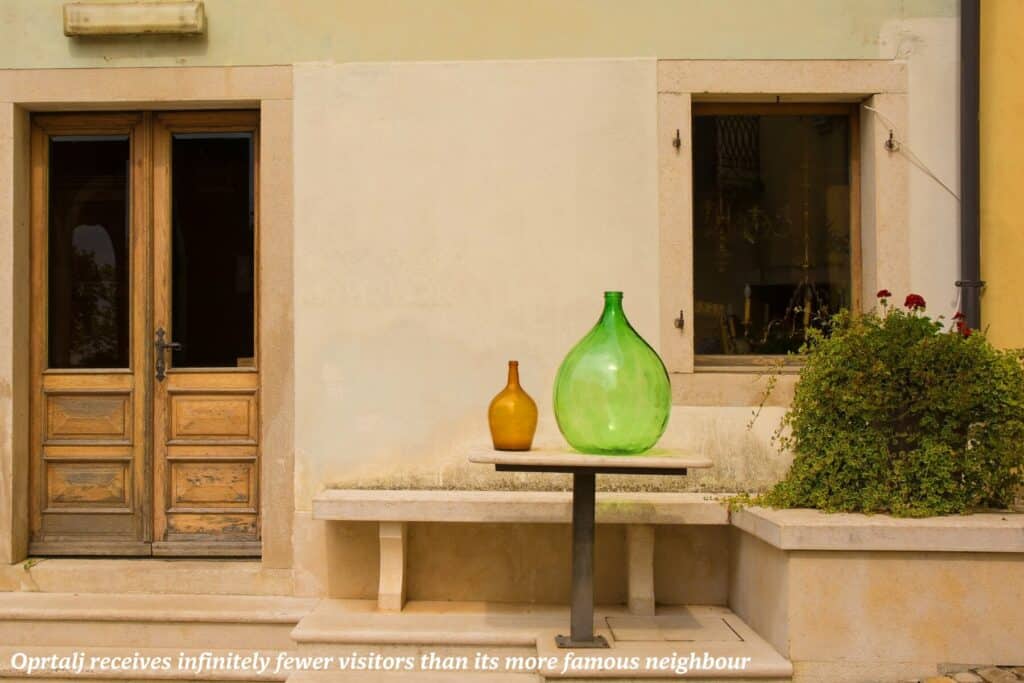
x: 873, y: 598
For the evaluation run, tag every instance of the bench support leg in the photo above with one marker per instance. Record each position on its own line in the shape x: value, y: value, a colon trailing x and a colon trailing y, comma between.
x: 393, y: 543
x: 640, y: 547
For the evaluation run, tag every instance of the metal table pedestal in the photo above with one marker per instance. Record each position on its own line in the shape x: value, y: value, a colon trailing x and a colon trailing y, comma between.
x: 584, y: 470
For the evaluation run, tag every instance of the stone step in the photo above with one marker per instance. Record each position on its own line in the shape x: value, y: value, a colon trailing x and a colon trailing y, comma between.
x: 11, y: 668
x: 150, y: 621
x: 521, y: 638
x: 420, y: 677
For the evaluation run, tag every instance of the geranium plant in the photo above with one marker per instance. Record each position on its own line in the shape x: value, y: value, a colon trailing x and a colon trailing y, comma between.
x: 901, y: 413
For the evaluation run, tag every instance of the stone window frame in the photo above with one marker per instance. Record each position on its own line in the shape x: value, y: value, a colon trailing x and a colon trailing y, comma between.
x: 884, y: 187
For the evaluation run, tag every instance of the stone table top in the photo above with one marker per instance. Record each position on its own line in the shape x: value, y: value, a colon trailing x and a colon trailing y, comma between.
x: 654, y: 461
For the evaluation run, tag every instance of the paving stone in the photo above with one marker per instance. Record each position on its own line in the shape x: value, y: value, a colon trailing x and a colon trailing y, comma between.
x: 938, y: 679
x: 967, y: 677
x: 994, y: 675
x: 950, y: 668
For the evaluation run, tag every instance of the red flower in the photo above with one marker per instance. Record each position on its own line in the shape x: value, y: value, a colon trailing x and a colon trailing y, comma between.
x: 958, y: 316
x: 963, y: 329
x: 914, y: 302
x: 883, y: 294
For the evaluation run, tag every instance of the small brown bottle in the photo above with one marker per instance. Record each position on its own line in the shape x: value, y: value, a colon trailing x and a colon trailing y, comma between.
x: 512, y: 415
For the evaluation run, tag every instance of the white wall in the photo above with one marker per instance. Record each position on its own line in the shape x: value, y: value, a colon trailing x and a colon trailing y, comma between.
x: 449, y: 217
x: 932, y: 50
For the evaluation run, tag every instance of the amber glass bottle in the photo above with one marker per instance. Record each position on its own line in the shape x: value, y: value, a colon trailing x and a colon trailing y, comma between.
x: 512, y: 415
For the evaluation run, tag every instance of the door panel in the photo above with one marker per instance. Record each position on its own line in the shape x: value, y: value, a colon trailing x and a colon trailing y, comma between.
x: 89, y: 261
x: 206, y: 411
x: 212, y: 418
x: 86, y: 418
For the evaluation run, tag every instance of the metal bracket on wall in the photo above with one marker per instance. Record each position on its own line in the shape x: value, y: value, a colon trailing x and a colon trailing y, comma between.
x: 680, y: 322
x: 892, y: 144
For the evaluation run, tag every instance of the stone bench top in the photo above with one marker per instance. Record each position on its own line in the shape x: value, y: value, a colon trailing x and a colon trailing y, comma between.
x: 990, y: 532
x: 536, y: 507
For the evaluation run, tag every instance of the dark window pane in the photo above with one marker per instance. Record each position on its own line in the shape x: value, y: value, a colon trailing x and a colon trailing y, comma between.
x: 89, y: 263
x: 212, y: 241
x: 771, y: 229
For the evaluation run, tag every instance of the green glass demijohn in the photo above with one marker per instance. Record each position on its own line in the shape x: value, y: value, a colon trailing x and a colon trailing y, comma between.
x: 612, y: 392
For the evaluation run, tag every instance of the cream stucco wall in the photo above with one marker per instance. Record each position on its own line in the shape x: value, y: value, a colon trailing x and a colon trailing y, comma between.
x: 451, y: 217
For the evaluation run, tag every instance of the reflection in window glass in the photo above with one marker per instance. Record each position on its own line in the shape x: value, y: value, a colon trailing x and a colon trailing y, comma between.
x: 88, y: 259
x: 213, y: 240
x: 771, y: 230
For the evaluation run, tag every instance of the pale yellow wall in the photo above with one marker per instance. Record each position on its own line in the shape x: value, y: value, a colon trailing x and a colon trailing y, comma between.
x: 289, y: 31
x: 1002, y: 170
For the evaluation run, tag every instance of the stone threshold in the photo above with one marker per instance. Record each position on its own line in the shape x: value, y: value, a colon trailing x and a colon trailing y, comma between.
x: 989, y: 532
x: 91, y: 607
x: 214, y: 576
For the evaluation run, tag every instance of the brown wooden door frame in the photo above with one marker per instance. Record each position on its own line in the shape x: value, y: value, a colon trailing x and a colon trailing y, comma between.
x: 156, y: 427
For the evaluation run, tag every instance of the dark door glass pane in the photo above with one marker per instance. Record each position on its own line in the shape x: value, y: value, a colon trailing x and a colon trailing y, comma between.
x: 88, y: 252
x: 212, y: 215
x: 771, y: 230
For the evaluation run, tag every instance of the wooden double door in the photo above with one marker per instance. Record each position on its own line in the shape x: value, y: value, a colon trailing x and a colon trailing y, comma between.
x: 145, y: 400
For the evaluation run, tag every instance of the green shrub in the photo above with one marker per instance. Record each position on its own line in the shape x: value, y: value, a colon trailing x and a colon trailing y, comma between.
x: 893, y: 413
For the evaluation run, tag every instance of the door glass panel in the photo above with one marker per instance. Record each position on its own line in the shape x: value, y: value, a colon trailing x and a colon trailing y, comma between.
x: 88, y: 252
x: 212, y: 214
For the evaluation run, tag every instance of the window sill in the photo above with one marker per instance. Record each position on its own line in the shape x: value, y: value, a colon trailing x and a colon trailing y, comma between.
x: 790, y: 365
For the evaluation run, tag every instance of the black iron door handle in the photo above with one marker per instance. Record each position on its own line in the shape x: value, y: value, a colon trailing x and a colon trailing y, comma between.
x: 161, y: 347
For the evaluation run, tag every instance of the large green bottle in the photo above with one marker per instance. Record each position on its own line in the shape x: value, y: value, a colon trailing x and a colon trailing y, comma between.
x: 612, y: 392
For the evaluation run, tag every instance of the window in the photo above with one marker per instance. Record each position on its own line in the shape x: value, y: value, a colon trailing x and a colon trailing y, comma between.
x: 88, y: 251
x: 774, y: 224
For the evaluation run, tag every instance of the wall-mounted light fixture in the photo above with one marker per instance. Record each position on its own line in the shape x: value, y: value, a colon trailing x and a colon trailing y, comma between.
x: 134, y: 18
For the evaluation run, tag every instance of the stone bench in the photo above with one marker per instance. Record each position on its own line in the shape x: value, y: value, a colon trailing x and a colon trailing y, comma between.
x: 394, y: 510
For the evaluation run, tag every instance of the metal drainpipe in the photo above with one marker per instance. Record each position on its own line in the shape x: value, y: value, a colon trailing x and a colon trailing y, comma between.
x: 970, y: 282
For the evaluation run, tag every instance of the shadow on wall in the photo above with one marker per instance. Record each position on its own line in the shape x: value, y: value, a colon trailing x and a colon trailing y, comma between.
x: 506, y: 563
x: 179, y: 48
